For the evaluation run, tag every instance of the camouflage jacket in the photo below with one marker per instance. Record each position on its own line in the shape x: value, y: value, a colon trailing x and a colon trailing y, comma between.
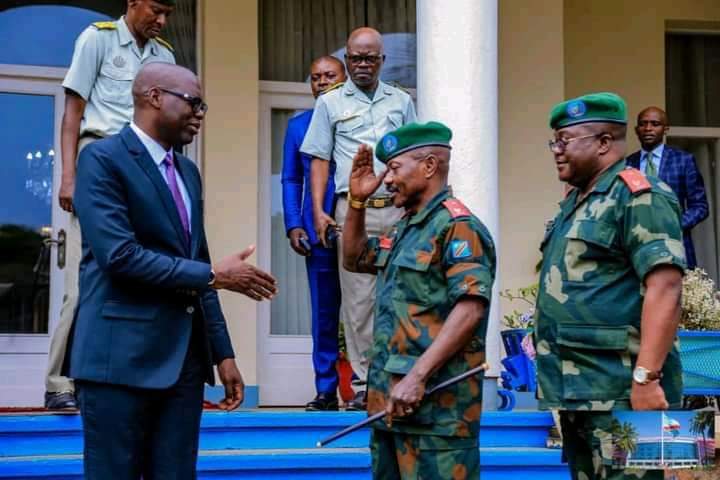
x: 596, y: 255
x: 424, y: 265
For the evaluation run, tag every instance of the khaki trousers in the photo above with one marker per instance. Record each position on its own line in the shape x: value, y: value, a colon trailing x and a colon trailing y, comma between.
x: 54, y: 381
x: 358, y: 289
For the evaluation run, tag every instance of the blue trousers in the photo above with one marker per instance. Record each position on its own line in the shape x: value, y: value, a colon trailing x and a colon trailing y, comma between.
x: 322, y: 270
x: 132, y: 433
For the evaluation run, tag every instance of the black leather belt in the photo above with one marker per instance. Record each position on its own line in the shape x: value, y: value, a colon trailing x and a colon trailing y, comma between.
x: 91, y: 135
x: 373, y: 202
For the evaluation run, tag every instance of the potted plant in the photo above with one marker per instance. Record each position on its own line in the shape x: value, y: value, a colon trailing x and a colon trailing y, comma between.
x: 700, y: 334
x: 519, y: 366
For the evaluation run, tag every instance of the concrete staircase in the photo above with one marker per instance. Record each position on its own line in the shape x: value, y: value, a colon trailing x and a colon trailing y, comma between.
x: 263, y: 444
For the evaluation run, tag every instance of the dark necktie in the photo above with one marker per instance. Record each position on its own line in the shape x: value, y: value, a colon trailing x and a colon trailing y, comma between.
x: 650, y: 168
x: 169, y: 163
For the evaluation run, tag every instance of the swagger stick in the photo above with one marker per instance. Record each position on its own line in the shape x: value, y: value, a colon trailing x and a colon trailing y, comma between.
x: 381, y: 415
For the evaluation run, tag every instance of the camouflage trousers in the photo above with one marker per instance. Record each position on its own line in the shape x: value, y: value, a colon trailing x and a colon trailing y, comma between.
x: 588, y: 448
x: 423, y: 457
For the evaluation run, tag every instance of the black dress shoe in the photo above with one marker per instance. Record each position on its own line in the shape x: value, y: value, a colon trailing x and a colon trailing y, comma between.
x: 359, y: 403
x: 323, y: 402
x: 60, y: 401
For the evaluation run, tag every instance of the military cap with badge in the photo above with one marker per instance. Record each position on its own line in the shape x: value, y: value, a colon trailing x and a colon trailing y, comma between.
x: 412, y: 136
x: 602, y: 107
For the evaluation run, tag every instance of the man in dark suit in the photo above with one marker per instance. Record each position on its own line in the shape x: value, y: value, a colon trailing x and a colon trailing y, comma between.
x: 149, y: 327
x: 674, y: 167
x: 321, y: 262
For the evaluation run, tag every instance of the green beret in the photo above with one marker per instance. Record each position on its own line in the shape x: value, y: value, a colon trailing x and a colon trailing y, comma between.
x: 602, y: 107
x: 412, y: 136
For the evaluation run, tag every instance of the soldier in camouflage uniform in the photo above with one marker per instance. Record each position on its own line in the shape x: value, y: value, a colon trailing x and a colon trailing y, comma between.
x: 435, y: 270
x: 609, y: 300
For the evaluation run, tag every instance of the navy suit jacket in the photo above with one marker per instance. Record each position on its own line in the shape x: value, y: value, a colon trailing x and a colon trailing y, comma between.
x: 297, y: 197
x: 679, y: 170
x: 140, y: 283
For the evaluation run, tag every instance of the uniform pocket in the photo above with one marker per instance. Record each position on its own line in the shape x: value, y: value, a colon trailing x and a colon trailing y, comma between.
x: 116, y: 84
x: 589, y: 243
x: 349, y: 124
x: 412, y: 281
x: 595, y: 361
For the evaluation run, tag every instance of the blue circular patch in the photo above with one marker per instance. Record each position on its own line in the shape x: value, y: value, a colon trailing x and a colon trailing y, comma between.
x: 576, y: 109
x: 390, y: 143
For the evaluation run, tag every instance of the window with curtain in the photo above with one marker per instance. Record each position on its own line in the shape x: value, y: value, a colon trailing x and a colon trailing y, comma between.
x: 294, y: 32
x: 692, y: 91
x: 56, y: 25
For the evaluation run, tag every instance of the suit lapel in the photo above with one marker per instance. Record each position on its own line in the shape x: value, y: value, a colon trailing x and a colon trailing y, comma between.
x: 194, y: 194
x: 664, y: 160
x: 142, y: 156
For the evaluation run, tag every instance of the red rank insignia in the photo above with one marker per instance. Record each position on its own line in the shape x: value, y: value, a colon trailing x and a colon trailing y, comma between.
x: 386, y: 242
x: 456, y: 208
x: 635, y: 180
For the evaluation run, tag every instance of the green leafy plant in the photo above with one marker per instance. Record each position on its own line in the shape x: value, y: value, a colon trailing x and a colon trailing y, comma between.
x: 525, y: 296
x: 625, y: 438
x: 700, y: 303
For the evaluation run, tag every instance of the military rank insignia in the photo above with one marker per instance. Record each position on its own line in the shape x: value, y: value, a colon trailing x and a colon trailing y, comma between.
x: 386, y: 242
x: 460, y: 249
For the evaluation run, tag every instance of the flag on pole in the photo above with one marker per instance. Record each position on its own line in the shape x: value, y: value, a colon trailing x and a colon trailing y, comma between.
x: 670, y: 425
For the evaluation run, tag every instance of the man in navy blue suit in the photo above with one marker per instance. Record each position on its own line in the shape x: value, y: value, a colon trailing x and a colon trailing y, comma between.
x: 674, y: 167
x: 148, y: 327
x: 321, y: 263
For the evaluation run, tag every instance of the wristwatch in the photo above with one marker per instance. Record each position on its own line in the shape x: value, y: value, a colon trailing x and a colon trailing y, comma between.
x: 643, y: 376
x: 211, y: 282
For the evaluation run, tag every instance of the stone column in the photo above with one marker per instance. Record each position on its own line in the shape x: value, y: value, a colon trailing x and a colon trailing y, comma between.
x: 457, y: 84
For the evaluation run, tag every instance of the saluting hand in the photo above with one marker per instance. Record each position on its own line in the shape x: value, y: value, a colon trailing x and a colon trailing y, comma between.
x: 363, y: 181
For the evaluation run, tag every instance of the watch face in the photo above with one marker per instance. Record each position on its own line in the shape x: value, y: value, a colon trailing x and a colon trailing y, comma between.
x: 640, y: 375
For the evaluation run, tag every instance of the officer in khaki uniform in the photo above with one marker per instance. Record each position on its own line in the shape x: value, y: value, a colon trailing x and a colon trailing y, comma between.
x: 435, y: 270
x: 98, y: 103
x: 609, y: 300
x: 359, y: 112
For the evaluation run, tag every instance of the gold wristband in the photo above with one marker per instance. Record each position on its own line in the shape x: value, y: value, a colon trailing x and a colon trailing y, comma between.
x: 356, y: 204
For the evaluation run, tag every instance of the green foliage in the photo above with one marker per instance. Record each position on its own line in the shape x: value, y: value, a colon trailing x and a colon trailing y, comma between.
x: 624, y: 437
x: 526, y: 296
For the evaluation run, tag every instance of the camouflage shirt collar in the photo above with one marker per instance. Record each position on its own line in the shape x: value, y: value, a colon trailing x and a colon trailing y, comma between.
x: 432, y: 205
x: 603, y: 185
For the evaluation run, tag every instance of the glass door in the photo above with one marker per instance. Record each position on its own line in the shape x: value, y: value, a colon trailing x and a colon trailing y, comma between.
x: 285, y: 371
x: 31, y: 227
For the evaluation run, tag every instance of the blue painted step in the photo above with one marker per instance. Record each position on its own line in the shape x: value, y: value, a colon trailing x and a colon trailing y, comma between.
x: 26, y: 435
x: 301, y: 464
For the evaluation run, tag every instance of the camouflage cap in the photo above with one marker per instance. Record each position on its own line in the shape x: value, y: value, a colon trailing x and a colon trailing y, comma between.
x: 412, y: 136
x: 602, y: 107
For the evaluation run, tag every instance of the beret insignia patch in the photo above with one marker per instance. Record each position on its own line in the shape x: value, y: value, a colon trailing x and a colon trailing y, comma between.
x: 576, y: 109
x: 390, y: 143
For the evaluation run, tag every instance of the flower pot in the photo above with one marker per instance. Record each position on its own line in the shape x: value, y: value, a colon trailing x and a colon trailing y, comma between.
x: 700, y: 356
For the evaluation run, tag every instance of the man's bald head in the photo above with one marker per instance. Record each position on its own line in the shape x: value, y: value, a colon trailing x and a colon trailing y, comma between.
x: 364, y: 56
x: 159, y: 74
x: 654, y: 110
x: 365, y: 38
x: 168, y: 103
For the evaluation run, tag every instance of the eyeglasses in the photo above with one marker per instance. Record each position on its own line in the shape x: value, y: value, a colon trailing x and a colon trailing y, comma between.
x: 369, y: 59
x: 196, y: 103
x: 561, y: 144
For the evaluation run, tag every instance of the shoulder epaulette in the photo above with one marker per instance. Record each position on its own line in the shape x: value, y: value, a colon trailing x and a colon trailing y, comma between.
x: 456, y: 208
x: 333, y: 87
x: 399, y: 86
x: 165, y: 44
x: 635, y: 180
x: 105, y: 25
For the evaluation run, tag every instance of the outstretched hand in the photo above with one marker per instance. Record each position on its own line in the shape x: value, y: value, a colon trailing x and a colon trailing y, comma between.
x: 363, y: 181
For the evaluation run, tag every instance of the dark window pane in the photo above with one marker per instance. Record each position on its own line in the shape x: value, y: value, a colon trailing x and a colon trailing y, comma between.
x: 26, y: 193
x: 294, y: 32
x: 693, y: 79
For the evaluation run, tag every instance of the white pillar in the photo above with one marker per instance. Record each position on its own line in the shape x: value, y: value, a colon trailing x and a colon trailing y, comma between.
x: 457, y: 84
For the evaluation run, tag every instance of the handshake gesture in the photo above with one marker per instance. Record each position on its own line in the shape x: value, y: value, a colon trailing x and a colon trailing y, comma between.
x: 234, y: 274
x: 363, y: 181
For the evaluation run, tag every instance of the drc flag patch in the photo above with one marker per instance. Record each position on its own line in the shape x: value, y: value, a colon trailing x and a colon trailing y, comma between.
x: 460, y: 249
